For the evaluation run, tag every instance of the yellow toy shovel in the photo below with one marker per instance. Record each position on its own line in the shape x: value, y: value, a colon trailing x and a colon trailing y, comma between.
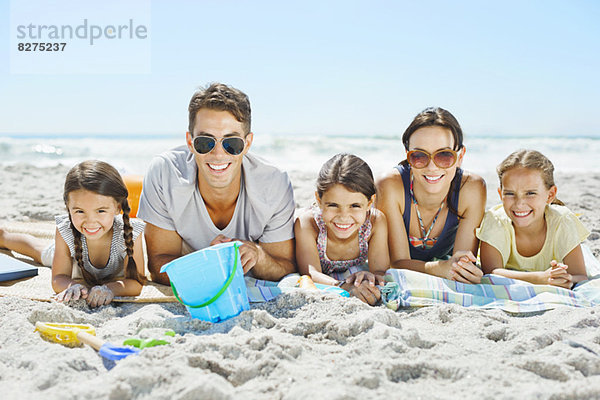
x: 72, y: 335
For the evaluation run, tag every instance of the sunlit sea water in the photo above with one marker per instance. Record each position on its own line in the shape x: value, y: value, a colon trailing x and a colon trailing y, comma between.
x: 294, y: 153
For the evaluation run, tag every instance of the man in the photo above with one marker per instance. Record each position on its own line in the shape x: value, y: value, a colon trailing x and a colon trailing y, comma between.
x: 212, y: 191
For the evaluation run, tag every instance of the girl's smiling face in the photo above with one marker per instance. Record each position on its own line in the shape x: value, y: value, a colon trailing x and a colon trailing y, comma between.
x: 343, y: 211
x: 430, y: 139
x: 92, y: 214
x: 525, y: 196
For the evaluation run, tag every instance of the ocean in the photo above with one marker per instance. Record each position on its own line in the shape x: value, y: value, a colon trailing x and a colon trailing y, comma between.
x: 297, y: 154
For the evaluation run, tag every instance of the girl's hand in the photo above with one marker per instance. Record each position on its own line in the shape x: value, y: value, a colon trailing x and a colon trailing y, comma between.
x: 364, y: 292
x: 74, y: 292
x: 557, y: 275
x: 99, y: 296
x: 358, y: 277
x: 461, y: 268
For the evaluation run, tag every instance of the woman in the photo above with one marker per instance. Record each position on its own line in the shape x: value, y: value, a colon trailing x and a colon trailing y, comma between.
x: 432, y: 206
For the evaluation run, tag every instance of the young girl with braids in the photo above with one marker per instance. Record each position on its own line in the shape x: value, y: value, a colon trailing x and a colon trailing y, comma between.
x: 105, y: 244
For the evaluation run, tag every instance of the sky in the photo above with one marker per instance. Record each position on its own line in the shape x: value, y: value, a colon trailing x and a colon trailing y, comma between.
x: 321, y: 67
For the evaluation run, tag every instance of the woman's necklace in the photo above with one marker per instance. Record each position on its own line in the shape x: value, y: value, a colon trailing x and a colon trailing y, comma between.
x: 425, y: 241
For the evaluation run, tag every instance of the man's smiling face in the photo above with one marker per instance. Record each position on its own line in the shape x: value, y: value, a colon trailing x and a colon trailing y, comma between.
x: 218, y: 169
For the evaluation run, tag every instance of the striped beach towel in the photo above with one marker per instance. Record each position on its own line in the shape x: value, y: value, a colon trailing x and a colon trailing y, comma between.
x: 406, y: 288
x: 260, y: 291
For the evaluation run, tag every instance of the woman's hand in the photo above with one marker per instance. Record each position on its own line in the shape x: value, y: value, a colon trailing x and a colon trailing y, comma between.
x: 74, y: 292
x: 461, y: 268
x: 99, y: 296
x: 358, y: 277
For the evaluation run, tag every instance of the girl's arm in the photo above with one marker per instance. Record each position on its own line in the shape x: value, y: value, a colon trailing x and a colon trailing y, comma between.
x: 309, y: 263
x: 472, y: 205
x: 390, y: 200
x: 491, y: 263
x: 576, y: 264
x: 62, y: 265
x: 556, y: 275
x: 472, y: 200
x: 491, y: 259
x: 379, y: 256
x: 130, y: 287
x: 307, y: 255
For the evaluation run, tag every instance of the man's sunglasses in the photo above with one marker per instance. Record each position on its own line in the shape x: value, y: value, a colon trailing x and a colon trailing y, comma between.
x: 234, y: 145
x: 442, y: 158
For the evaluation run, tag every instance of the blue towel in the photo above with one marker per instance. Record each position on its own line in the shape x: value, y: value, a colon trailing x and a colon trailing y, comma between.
x: 260, y: 290
x: 11, y: 269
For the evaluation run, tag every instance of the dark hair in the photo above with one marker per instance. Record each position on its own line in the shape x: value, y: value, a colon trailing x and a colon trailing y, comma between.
x: 530, y: 159
x: 348, y: 170
x: 101, y: 178
x: 220, y: 97
x: 437, y: 116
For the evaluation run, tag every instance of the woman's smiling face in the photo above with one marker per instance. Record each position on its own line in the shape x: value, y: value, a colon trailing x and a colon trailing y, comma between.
x: 430, y: 139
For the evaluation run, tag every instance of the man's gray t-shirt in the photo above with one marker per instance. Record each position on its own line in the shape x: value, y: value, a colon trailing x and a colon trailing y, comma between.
x: 171, y: 200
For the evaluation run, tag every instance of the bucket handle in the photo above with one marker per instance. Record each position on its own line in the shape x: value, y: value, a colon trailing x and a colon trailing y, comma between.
x: 219, y: 293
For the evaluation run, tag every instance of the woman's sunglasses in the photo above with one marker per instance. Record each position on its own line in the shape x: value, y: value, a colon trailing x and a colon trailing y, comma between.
x: 234, y: 145
x: 442, y: 158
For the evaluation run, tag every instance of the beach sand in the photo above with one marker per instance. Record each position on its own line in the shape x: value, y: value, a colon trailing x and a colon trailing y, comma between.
x: 303, y: 344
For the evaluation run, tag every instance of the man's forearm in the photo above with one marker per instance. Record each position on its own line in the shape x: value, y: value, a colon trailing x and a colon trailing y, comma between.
x: 155, y: 263
x: 272, y: 268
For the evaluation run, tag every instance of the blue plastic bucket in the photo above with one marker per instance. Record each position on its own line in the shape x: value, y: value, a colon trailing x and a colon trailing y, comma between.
x: 210, y: 282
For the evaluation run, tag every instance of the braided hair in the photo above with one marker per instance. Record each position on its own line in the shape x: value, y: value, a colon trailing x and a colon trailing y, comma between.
x: 101, y: 178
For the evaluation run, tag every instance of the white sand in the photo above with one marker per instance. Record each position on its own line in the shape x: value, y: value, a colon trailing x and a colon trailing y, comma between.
x: 303, y: 345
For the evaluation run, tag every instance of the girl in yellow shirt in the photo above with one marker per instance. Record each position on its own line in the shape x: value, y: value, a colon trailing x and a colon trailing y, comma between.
x: 532, y: 236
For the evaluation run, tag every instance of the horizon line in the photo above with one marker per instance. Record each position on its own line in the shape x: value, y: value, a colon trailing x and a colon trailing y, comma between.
x: 123, y: 135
